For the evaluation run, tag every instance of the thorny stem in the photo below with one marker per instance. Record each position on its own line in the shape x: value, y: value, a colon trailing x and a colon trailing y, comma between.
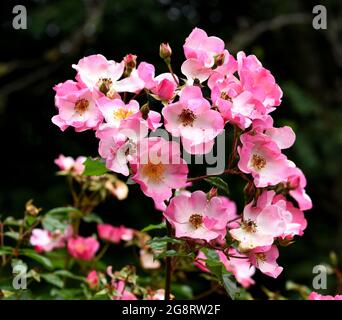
x: 207, y: 293
x: 235, y: 219
x: 29, y: 230
x: 102, y: 252
x: 76, y: 226
x: 234, y: 148
x: 72, y: 190
x: 168, y: 261
x: 227, y: 171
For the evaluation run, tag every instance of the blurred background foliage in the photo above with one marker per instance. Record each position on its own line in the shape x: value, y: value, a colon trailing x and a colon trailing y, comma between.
x: 306, y: 63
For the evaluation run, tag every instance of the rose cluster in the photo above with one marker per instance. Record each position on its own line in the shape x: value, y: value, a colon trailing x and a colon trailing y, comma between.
x: 217, y: 92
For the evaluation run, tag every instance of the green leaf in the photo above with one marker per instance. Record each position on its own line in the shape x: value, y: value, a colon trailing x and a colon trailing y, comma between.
x: 94, y: 167
x: 10, y: 221
x: 159, y: 243
x: 34, y: 274
x: 53, y: 279
x: 37, y: 257
x: 6, y: 293
x: 219, y: 183
x: 63, y: 211
x: 52, y: 223
x: 173, y: 253
x: 92, y: 217
x: 216, y: 267
x: 68, y: 274
x: 102, y: 295
x: 5, y: 250
x: 211, y: 254
x: 58, y: 218
x: 230, y: 286
x: 30, y: 220
x: 67, y: 294
x: 182, y: 291
x: 58, y: 258
x: 12, y: 234
x: 150, y: 227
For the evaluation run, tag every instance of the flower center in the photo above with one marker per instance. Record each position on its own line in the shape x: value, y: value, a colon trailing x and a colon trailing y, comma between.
x: 196, y: 220
x: 258, y: 162
x: 104, y: 85
x: 225, y: 96
x: 260, y: 257
x: 249, y: 226
x: 55, y: 235
x: 80, y: 247
x: 187, y: 117
x: 122, y: 113
x: 155, y: 172
x: 81, y: 106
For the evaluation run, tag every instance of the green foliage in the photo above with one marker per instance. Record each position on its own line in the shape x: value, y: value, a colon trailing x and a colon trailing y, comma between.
x: 37, y: 257
x: 12, y: 234
x: 151, y: 227
x: 312, y: 106
x: 5, y: 250
x: 174, y: 253
x: 220, y: 272
x: 53, y: 279
x: 160, y: 243
x: 94, y: 167
x: 92, y: 218
x: 59, y: 218
x: 220, y: 184
x: 182, y: 291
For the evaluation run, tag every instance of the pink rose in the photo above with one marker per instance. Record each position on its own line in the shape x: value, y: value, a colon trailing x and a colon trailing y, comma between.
x: 83, y: 248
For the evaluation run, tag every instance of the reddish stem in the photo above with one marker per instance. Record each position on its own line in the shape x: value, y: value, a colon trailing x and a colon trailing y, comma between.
x: 168, y: 261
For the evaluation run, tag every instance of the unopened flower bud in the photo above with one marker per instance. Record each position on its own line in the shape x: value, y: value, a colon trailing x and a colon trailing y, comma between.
x: 212, y: 193
x: 31, y: 209
x: 284, y: 242
x: 130, y: 61
x: 118, y: 189
x: 219, y: 60
x: 333, y: 258
x: 165, y: 51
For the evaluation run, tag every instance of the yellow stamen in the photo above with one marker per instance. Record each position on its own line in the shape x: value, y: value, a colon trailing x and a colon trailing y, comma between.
x: 104, y: 84
x: 155, y: 172
x: 225, y: 96
x: 260, y: 257
x: 249, y: 226
x: 187, y: 117
x: 258, y: 162
x: 81, y: 106
x: 122, y: 113
x: 196, y: 220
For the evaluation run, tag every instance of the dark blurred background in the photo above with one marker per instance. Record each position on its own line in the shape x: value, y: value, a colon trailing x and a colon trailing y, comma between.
x: 306, y: 63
